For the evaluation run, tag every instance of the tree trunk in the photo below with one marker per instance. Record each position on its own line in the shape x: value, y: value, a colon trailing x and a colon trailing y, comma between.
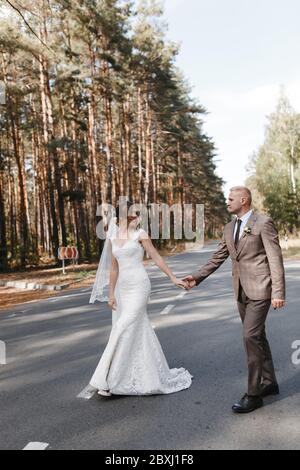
x: 3, y: 238
x: 140, y: 144
x: 48, y: 135
x: 148, y: 148
x: 111, y: 194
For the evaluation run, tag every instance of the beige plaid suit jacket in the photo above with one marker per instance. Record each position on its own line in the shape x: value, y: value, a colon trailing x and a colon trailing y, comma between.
x: 257, y: 262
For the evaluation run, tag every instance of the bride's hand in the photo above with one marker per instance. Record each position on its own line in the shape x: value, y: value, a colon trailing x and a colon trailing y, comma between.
x: 112, y: 303
x: 179, y: 283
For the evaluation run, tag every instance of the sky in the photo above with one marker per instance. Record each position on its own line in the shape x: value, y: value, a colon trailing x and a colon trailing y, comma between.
x: 236, y: 54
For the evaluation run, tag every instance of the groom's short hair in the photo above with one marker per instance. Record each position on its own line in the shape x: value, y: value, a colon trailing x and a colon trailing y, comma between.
x: 244, y: 191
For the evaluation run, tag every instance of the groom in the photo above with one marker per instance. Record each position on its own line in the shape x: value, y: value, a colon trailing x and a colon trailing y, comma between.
x: 251, y: 241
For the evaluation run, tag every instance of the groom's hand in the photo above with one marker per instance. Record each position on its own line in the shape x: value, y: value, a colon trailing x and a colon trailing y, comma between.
x: 190, y: 282
x: 277, y: 303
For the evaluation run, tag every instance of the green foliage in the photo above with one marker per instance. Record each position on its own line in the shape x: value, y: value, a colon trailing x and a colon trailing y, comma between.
x: 274, y: 172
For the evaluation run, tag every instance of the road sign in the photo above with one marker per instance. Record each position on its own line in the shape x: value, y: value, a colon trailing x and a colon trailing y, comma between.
x: 67, y: 252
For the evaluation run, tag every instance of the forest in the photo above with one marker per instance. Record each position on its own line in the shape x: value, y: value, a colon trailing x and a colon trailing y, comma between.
x: 273, y: 170
x: 95, y: 107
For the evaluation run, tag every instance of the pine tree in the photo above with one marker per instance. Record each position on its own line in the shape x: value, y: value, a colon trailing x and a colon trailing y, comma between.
x: 95, y: 109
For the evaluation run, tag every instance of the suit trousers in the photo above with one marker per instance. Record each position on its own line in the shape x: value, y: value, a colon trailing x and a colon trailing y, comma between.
x: 260, y: 362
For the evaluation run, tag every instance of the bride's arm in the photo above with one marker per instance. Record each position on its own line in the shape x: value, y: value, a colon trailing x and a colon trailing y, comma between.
x: 113, y: 278
x: 158, y: 260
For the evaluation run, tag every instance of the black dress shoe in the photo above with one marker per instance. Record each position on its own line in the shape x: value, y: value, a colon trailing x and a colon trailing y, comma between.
x: 248, y: 404
x: 268, y: 390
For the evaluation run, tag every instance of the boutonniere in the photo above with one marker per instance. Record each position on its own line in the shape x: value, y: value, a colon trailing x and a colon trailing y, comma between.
x: 247, y: 230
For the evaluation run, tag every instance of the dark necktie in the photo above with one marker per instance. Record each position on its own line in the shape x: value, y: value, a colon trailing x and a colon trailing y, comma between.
x: 237, y: 235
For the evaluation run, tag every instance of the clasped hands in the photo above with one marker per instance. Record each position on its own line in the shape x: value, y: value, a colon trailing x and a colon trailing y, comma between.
x: 187, y: 283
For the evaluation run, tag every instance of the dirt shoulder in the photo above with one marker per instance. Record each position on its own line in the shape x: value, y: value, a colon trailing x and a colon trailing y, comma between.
x: 291, y: 248
x: 51, y: 276
x: 10, y: 296
x: 79, y: 276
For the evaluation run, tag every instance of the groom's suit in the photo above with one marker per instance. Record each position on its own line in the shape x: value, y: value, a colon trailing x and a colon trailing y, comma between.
x: 258, y: 277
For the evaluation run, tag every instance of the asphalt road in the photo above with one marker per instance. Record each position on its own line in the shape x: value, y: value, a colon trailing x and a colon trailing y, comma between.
x: 53, y: 347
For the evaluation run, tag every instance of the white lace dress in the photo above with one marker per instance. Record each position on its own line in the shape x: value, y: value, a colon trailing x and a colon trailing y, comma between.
x: 133, y: 362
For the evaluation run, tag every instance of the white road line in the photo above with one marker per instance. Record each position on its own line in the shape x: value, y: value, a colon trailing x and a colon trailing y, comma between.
x: 36, y: 446
x: 182, y: 295
x: 167, y: 310
x: 15, y: 314
x: 87, y: 393
x: 61, y: 297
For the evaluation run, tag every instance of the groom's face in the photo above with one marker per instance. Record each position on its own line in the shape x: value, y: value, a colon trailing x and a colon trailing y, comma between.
x: 235, y: 202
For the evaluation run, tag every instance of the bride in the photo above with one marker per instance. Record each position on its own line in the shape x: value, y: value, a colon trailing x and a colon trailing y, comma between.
x: 133, y: 362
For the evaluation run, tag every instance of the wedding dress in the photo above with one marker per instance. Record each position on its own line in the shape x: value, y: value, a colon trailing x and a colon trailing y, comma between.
x: 133, y: 362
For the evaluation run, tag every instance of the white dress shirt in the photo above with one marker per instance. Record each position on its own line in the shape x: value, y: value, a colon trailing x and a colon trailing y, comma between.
x: 244, y: 220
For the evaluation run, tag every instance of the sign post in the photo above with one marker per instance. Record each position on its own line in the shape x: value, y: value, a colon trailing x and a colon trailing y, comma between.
x: 69, y: 252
